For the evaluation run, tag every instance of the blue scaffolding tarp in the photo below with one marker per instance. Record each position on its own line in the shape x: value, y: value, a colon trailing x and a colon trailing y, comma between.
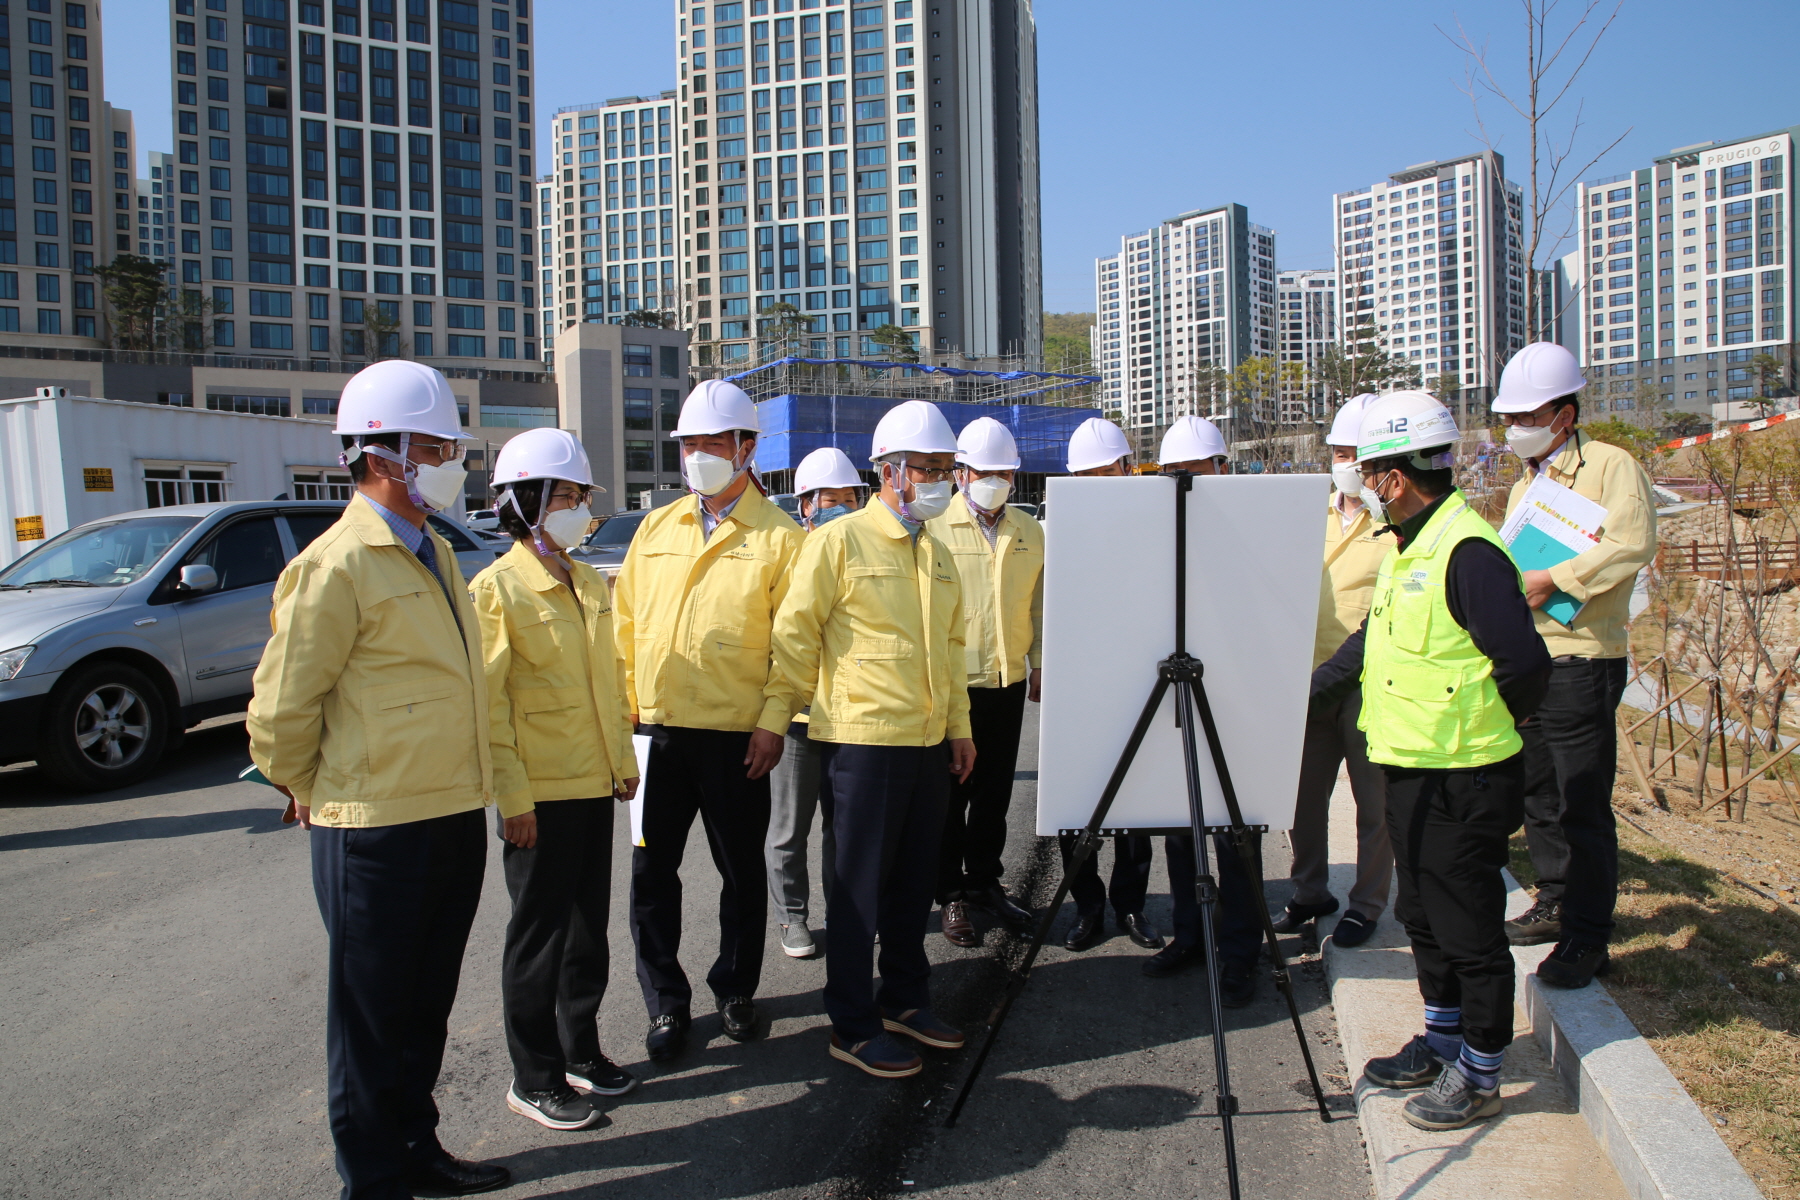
x: 793, y: 426
x: 1053, y: 379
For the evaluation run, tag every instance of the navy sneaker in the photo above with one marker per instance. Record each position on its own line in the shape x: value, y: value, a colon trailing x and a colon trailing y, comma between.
x: 921, y: 1026
x: 880, y: 1056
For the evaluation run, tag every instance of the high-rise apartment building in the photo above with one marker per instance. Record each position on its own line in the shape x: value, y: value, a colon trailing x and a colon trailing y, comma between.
x: 547, y: 259
x: 357, y: 169
x: 1179, y: 303
x: 1306, y: 323
x: 67, y: 168
x: 1685, y: 275
x: 868, y: 164
x: 156, y: 208
x: 1431, y: 259
x: 616, y: 220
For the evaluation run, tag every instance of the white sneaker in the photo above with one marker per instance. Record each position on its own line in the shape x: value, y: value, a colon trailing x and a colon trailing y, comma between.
x: 796, y: 942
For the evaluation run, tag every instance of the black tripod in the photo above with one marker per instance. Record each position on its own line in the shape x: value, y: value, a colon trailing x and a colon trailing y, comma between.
x: 1182, y: 672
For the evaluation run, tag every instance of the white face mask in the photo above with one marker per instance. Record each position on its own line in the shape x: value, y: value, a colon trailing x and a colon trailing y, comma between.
x: 1347, y: 478
x: 708, y: 474
x: 1531, y: 441
x: 1373, y: 502
x: 988, y: 493
x: 930, y: 500
x: 439, y: 487
x: 567, y: 526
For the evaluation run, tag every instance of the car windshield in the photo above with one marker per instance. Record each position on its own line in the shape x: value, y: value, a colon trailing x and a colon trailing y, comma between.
x: 107, y: 554
x: 616, y: 532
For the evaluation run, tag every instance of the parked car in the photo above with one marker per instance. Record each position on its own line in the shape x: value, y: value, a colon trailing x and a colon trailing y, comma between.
x: 121, y: 634
x: 1030, y: 510
x: 484, y: 520
x: 604, y: 549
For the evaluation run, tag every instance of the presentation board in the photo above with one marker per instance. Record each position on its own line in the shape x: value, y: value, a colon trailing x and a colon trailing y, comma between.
x: 1255, y: 552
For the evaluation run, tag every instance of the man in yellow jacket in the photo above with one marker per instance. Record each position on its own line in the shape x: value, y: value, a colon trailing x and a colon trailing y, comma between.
x: 694, y: 603
x: 371, y: 714
x: 561, y: 740
x: 1354, y: 549
x: 999, y: 553
x: 1571, y: 743
x: 871, y: 635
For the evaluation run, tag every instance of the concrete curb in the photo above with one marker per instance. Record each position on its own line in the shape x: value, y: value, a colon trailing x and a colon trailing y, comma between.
x: 1659, y: 1141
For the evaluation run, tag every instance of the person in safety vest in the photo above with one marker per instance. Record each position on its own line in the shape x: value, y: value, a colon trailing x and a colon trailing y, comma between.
x: 1571, y: 744
x: 828, y: 486
x: 370, y: 714
x: 1354, y: 548
x: 561, y: 736
x: 1098, y: 448
x: 871, y: 635
x: 1195, y: 446
x: 694, y: 603
x: 999, y: 553
x: 1449, y: 664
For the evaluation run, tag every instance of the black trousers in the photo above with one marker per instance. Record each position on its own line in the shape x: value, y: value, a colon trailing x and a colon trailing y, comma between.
x: 1571, y: 753
x: 975, y: 826
x: 553, y: 973
x: 1449, y: 831
x: 1236, y: 924
x: 699, y: 772
x: 398, y: 901
x: 887, y: 806
x: 1130, y: 874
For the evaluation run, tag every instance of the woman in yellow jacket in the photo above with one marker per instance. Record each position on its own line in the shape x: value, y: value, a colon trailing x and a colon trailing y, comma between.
x: 561, y: 738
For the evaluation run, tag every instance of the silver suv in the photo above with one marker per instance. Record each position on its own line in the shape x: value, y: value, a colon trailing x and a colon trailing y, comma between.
x: 119, y: 635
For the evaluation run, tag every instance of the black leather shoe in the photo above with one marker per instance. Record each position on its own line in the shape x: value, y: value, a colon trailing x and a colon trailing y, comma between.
x: 1237, y: 984
x: 444, y: 1174
x: 1141, y: 931
x: 1573, y: 964
x: 1353, y: 929
x: 1296, y: 915
x: 1085, y: 931
x: 739, y: 1015
x: 667, y: 1037
x: 1016, y: 916
x: 1172, y: 960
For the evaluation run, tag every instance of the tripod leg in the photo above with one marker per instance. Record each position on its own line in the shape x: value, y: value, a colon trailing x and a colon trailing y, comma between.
x: 1253, y: 868
x: 1207, y: 895
x: 1085, y: 847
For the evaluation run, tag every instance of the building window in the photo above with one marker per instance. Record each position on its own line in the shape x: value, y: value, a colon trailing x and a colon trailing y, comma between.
x: 321, y: 485
x: 167, y: 484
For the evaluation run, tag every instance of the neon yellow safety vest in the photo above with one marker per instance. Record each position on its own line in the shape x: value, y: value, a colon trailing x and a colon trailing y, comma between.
x: 1429, y: 699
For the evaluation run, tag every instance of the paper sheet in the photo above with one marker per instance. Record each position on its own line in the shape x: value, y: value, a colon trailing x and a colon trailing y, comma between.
x: 640, y: 743
x: 1552, y: 524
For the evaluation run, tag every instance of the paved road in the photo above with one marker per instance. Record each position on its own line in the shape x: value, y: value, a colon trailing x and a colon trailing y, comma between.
x: 161, y: 1021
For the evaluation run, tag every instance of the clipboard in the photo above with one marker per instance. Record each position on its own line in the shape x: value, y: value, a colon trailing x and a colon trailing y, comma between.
x: 1551, y: 524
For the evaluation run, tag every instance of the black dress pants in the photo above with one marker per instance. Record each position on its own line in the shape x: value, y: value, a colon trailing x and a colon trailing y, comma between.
x: 975, y: 826
x: 1237, y: 925
x: 398, y: 901
x: 1449, y: 831
x: 553, y: 973
x: 699, y: 772
x: 887, y: 806
x: 1130, y: 875
x: 1571, y: 754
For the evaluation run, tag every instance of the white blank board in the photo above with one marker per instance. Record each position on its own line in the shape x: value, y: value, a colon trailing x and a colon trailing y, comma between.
x: 1255, y: 552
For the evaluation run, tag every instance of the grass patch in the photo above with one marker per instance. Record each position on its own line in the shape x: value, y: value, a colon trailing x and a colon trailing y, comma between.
x: 1707, y: 972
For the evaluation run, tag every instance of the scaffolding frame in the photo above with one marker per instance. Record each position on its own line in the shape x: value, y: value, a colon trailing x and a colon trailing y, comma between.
x: 940, y: 383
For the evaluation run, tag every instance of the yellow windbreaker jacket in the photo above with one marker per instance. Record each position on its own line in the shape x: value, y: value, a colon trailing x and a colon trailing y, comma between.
x: 1003, y: 591
x: 692, y: 614
x: 370, y: 704
x: 1352, y: 561
x: 556, y: 688
x: 871, y: 635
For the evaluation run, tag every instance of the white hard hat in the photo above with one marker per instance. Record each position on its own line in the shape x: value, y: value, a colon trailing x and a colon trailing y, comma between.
x: 1096, y: 442
x: 543, y: 454
x: 1407, y: 423
x: 826, y: 467
x: 916, y: 425
x: 398, y: 396
x: 987, y: 445
x: 1190, y: 438
x: 715, y: 406
x: 1538, y: 374
x: 1346, y: 427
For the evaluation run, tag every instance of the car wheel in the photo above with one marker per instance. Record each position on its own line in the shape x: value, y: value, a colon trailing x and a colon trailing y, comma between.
x: 105, y: 727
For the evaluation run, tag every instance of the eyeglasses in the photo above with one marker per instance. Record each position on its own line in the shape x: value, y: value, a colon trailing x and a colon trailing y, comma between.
x: 932, y: 474
x: 447, y: 452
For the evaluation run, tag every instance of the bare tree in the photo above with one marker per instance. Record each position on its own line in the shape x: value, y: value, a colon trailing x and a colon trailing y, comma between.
x: 1553, y: 63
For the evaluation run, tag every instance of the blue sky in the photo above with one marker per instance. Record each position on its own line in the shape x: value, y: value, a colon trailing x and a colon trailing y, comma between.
x: 1149, y: 108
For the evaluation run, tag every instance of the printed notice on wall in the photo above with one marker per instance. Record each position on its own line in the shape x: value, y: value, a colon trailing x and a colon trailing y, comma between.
x: 96, y: 479
x: 28, y: 529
